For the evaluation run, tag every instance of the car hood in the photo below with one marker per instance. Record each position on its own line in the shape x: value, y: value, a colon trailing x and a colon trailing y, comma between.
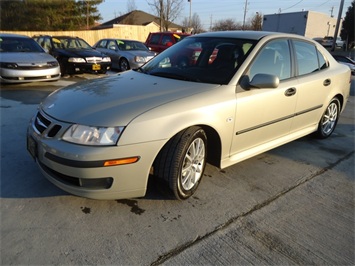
x: 79, y: 52
x: 140, y: 53
x: 116, y: 100
x: 25, y: 58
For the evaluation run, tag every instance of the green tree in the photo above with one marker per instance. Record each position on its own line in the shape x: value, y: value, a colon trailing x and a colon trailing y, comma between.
x: 347, y: 31
x: 48, y: 14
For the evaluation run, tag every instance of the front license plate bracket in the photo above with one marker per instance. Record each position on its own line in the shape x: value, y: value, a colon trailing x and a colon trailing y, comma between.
x: 96, y: 67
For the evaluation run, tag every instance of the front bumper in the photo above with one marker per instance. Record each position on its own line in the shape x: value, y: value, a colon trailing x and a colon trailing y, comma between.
x: 77, y: 169
x: 21, y: 76
x: 79, y: 68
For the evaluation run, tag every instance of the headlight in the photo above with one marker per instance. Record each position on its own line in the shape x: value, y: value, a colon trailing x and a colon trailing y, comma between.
x: 53, y: 63
x: 139, y: 59
x: 9, y: 65
x: 106, y: 59
x: 88, y: 135
x: 76, y: 60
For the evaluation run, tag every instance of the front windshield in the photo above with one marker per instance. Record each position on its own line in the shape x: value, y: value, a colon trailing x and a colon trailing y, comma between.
x: 201, y: 59
x: 124, y: 45
x: 19, y: 45
x: 70, y: 43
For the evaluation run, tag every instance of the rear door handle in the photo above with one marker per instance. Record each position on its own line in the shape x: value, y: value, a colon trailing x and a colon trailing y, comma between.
x: 327, y: 82
x: 291, y: 91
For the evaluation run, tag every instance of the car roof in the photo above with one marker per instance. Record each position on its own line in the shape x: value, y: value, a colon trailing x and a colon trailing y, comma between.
x: 118, y: 39
x: 13, y: 35
x: 253, y: 35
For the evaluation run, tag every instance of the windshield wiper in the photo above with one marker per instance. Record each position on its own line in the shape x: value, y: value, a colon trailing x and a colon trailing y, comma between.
x: 139, y: 69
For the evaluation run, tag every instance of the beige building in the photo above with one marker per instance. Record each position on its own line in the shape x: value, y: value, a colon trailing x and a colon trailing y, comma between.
x: 306, y: 23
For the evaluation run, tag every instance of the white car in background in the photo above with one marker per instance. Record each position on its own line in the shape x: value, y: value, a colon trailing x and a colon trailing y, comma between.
x: 22, y: 59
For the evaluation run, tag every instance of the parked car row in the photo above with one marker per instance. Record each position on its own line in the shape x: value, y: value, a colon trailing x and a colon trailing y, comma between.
x: 24, y: 60
x: 327, y: 41
x: 75, y: 56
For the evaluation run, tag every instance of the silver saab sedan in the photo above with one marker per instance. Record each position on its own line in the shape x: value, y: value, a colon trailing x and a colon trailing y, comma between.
x: 217, y: 98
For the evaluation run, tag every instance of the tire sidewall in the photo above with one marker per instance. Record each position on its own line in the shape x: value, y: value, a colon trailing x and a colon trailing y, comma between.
x: 182, y: 193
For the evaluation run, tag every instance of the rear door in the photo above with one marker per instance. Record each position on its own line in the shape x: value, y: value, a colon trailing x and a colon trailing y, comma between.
x: 264, y: 115
x: 314, y: 82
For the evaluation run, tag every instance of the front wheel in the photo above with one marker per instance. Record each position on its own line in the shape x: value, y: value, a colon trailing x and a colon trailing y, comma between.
x: 329, y: 119
x: 124, y: 65
x: 182, y: 162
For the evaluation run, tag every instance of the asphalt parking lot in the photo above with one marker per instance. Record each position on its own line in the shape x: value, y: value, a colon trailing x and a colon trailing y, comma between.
x: 291, y: 205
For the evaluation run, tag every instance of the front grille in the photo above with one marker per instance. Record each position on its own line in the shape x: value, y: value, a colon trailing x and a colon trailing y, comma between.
x: 41, y: 123
x: 44, y: 125
x: 93, y: 59
x: 34, y: 67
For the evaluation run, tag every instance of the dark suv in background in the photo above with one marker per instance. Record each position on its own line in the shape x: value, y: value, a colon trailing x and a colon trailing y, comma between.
x: 75, y: 56
x: 159, y: 41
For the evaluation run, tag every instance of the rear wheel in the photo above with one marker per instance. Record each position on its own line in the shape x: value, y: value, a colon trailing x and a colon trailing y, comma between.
x: 182, y: 161
x: 329, y: 119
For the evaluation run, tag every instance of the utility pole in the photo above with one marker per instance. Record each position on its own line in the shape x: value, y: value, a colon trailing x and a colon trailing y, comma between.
x: 190, y: 1
x: 245, y: 13
x: 331, y: 12
x: 161, y: 14
x: 338, y: 24
x: 87, y: 14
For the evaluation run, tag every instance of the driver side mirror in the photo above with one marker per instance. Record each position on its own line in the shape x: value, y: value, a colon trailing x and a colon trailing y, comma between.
x: 261, y: 81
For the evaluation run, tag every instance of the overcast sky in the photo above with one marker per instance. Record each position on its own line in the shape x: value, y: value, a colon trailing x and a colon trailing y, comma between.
x: 210, y: 11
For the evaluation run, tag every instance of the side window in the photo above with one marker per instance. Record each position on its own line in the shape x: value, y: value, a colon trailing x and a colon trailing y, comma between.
x: 321, y: 61
x: 102, y: 44
x: 111, y: 45
x: 40, y: 41
x: 306, y: 56
x: 274, y: 58
x: 47, y: 44
x: 166, y: 39
x: 155, y: 39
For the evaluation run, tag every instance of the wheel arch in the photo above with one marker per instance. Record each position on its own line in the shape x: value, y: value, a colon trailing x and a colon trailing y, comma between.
x: 341, y: 100
x: 214, y: 145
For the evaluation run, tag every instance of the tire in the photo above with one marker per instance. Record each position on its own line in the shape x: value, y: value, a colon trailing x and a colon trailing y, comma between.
x: 124, y: 65
x: 182, y: 161
x: 329, y: 119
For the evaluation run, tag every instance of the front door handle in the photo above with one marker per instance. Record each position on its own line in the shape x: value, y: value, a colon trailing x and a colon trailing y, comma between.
x: 327, y: 82
x: 289, y: 92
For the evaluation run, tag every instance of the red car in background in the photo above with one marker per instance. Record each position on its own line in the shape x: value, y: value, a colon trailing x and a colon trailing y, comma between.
x: 159, y: 41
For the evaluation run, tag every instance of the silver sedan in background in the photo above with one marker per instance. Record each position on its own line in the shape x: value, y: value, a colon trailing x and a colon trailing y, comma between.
x: 23, y: 60
x: 125, y: 54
